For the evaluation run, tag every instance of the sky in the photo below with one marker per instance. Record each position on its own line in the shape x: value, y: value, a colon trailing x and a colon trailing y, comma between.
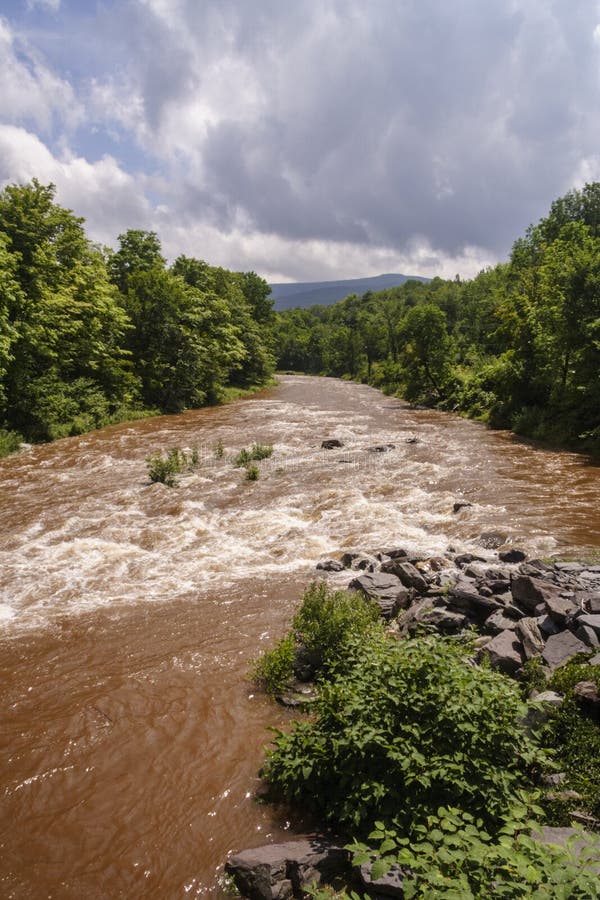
x: 305, y: 139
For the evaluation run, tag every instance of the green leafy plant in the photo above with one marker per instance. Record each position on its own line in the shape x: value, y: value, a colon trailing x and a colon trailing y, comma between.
x: 327, y: 625
x: 252, y: 472
x: 453, y: 856
x: 256, y: 452
x: 410, y: 726
x: 275, y: 668
x: 164, y: 467
x: 219, y: 449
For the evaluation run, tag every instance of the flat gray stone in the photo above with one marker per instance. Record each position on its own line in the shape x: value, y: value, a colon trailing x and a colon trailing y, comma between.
x: 505, y: 652
x: 562, y: 647
x: 560, y: 609
x: 279, y: 871
x: 386, y: 590
x: 389, y: 885
x: 529, y: 591
x: 590, y: 621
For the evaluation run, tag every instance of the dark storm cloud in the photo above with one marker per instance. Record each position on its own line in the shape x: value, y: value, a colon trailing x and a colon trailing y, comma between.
x: 375, y: 123
x: 391, y: 127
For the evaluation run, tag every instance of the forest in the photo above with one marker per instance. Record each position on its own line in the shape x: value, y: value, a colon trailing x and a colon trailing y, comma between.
x: 518, y: 346
x: 91, y: 336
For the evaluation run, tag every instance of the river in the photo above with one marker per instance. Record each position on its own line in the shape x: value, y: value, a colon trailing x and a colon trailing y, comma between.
x: 130, y: 612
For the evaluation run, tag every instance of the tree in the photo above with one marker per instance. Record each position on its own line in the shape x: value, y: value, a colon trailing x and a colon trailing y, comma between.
x: 139, y: 251
x: 426, y: 351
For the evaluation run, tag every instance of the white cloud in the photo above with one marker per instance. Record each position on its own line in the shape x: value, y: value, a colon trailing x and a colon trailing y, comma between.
x: 109, y: 198
x: 31, y: 92
x: 53, y: 5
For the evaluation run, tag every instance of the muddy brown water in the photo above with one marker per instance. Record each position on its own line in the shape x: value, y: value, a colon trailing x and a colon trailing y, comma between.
x: 129, y: 613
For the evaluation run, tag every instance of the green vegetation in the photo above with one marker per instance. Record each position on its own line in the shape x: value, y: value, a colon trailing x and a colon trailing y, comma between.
x: 252, y: 472
x: 163, y: 468
x: 576, y: 738
x: 91, y: 336
x: 518, y: 346
x: 326, y: 628
x: 422, y: 760
x: 256, y: 452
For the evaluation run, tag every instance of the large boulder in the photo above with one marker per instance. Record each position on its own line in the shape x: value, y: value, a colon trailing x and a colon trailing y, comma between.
x: 561, y: 647
x: 331, y: 444
x: 388, y: 885
x: 386, y: 590
x: 528, y: 592
x: 561, y: 609
x: 528, y: 632
x: 408, y: 574
x: 505, y: 652
x: 279, y: 871
x: 590, y: 621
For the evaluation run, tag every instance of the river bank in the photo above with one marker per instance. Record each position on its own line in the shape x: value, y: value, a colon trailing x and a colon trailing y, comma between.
x: 380, y: 745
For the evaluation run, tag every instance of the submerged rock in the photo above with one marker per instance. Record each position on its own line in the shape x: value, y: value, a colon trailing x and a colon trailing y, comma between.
x: 331, y: 444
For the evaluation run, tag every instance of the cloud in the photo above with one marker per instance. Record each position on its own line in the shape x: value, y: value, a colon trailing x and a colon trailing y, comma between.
x: 109, y: 198
x: 332, y: 138
x: 31, y: 91
x: 52, y: 5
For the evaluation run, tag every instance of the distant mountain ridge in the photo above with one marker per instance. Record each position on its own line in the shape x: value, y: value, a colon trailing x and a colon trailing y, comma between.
x: 325, y: 293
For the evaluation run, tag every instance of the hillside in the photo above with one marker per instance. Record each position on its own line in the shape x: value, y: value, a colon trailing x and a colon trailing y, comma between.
x: 325, y: 293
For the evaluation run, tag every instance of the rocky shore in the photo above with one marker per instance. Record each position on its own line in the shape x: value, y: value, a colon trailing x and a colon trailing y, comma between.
x: 517, y: 610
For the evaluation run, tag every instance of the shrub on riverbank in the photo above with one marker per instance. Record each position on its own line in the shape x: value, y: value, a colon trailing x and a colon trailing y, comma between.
x: 255, y: 453
x: 327, y: 629
x: 411, y: 726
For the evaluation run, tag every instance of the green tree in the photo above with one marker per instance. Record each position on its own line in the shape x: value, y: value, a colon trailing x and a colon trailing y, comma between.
x: 139, y: 251
x: 426, y: 351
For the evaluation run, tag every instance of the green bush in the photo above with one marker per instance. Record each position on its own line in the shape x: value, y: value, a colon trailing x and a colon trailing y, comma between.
x: 10, y: 442
x: 333, y: 624
x: 163, y: 468
x: 575, y: 737
x: 411, y: 726
x: 276, y: 667
x: 452, y: 856
x: 329, y: 625
x: 252, y: 472
x: 256, y: 452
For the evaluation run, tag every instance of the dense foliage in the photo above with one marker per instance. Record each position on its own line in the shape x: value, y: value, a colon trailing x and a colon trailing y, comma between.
x: 518, y: 346
x: 90, y: 336
x: 423, y: 759
x: 328, y: 630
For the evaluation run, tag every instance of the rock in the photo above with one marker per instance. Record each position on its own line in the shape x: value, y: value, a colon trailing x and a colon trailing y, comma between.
x: 465, y: 597
x: 586, y: 845
x: 412, y: 440
x: 587, y: 695
x: 505, y: 652
x: 408, y: 574
x: 330, y: 565
x: 572, y: 568
x: 463, y: 559
x: 555, y: 779
x: 529, y: 633
x: 491, y: 540
x: 547, y: 625
x: 590, y: 621
x: 529, y: 591
x: 587, y: 635
x: 394, y: 552
x: 499, y: 621
x: 359, y: 559
x: 592, y: 604
x: 386, y: 590
x: 297, y: 696
x: 331, y: 444
x: 512, y: 555
x: 442, y: 619
x: 595, y: 660
x: 389, y: 885
x: 461, y: 504
x: 560, y: 609
x: 552, y: 698
x: 498, y: 585
x: 381, y: 448
x: 561, y: 647
x: 278, y: 871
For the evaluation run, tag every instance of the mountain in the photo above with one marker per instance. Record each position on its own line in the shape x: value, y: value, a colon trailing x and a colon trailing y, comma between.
x: 324, y: 293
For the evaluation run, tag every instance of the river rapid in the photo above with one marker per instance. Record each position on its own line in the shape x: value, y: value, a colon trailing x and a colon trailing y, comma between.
x: 130, y: 612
